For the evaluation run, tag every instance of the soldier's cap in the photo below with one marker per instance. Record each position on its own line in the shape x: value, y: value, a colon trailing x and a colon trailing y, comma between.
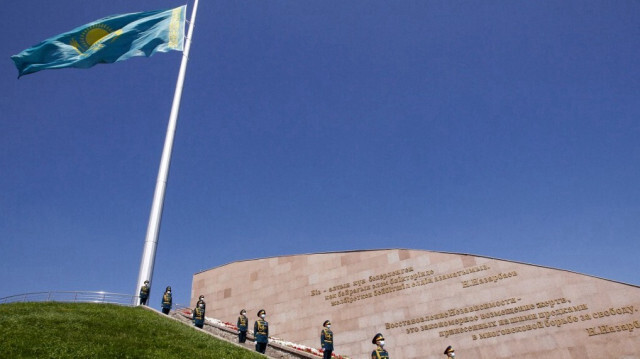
x: 378, y: 337
x: 325, y: 323
x: 449, y: 350
x: 242, y: 311
x: 261, y: 311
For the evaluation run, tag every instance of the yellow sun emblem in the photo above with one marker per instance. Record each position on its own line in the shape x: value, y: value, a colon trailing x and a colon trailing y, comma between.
x: 90, y: 36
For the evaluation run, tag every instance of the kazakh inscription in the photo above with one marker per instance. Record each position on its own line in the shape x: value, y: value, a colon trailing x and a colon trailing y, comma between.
x: 486, y: 280
x: 399, y: 280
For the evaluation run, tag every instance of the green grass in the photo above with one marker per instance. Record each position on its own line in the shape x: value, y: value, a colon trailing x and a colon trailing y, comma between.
x: 63, y: 330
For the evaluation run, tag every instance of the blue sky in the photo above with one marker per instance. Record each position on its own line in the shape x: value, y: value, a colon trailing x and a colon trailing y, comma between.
x: 506, y: 129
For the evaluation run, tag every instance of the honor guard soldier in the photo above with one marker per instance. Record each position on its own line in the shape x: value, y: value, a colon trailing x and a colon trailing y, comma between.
x: 326, y: 340
x: 261, y: 332
x: 201, y: 300
x: 166, y: 301
x: 243, y: 326
x: 449, y: 352
x: 380, y: 352
x: 198, y: 315
x: 144, y: 293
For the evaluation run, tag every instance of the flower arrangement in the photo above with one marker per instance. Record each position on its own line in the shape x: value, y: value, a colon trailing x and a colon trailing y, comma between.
x: 304, y: 348
x: 220, y: 323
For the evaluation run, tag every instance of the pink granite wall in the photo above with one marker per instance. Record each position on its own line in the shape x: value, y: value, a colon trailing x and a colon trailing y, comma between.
x: 423, y: 301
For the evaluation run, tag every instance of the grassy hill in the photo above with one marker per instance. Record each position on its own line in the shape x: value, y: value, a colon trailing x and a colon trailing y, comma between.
x: 64, y: 330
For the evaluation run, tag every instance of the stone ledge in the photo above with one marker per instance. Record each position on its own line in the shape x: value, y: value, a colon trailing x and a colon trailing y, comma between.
x: 273, y: 350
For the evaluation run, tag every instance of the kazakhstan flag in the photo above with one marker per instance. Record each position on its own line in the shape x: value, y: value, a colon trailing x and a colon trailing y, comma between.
x: 114, y: 38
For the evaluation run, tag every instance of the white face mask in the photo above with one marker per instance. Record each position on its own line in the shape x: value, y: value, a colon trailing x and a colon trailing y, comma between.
x: 453, y: 355
x: 262, y: 316
x: 328, y: 325
x: 381, y: 343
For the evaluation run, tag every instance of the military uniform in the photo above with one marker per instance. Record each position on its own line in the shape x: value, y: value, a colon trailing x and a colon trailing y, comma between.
x: 243, y: 326
x: 326, y: 340
x: 261, y: 332
x: 201, y: 301
x: 144, y: 293
x: 166, y: 301
x: 198, y: 316
x: 380, y: 352
x: 449, y: 352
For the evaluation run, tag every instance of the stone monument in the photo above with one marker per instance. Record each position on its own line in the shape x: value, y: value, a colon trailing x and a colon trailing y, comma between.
x: 423, y: 301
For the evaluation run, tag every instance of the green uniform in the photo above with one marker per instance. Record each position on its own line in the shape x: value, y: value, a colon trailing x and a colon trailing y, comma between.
x: 243, y: 326
x: 144, y: 294
x: 379, y: 353
x: 198, y: 317
x: 326, y: 341
x: 261, y: 332
x: 166, y: 302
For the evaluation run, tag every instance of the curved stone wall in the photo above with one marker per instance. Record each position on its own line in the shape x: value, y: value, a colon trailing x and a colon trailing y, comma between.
x: 423, y: 301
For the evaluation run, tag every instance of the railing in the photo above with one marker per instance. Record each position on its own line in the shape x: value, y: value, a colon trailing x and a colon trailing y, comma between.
x: 73, y: 297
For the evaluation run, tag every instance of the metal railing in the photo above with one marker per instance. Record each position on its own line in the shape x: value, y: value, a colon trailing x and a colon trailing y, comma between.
x: 73, y: 297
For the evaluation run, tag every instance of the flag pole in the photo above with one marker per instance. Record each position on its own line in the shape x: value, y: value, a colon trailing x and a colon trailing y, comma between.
x: 153, y: 228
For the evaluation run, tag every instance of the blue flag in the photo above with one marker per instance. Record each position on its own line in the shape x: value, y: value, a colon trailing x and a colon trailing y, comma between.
x: 111, y: 39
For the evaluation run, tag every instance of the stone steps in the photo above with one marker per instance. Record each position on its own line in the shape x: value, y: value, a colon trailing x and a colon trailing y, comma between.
x: 274, y: 351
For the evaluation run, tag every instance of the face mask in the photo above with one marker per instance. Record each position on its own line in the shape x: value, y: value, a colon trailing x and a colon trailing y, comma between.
x: 381, y: 343
x: 328, y: 325
x: 262, y: 316
x: 453, y: 355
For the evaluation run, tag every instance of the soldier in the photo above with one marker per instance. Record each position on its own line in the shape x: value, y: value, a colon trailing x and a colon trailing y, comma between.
x: 166, y: 301
x: 243, y: 326
x: 261, y: 332
x: 449, y: 352
x: 326, y: 340
x: 201, y: 300
x: 198, y: 315
x: 144, y: 293
x: 380, y: 352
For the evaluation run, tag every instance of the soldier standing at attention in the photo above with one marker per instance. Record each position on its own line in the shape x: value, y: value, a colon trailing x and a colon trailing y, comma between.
x: 449, y: 352
x: 261, y: 332
x: 380, y: 352
x: 144, y: 293
x: 198, y: 315
x: 201, y: 300
x: 243, y: 326
x: 326, y: 340
x: 166, y: 301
